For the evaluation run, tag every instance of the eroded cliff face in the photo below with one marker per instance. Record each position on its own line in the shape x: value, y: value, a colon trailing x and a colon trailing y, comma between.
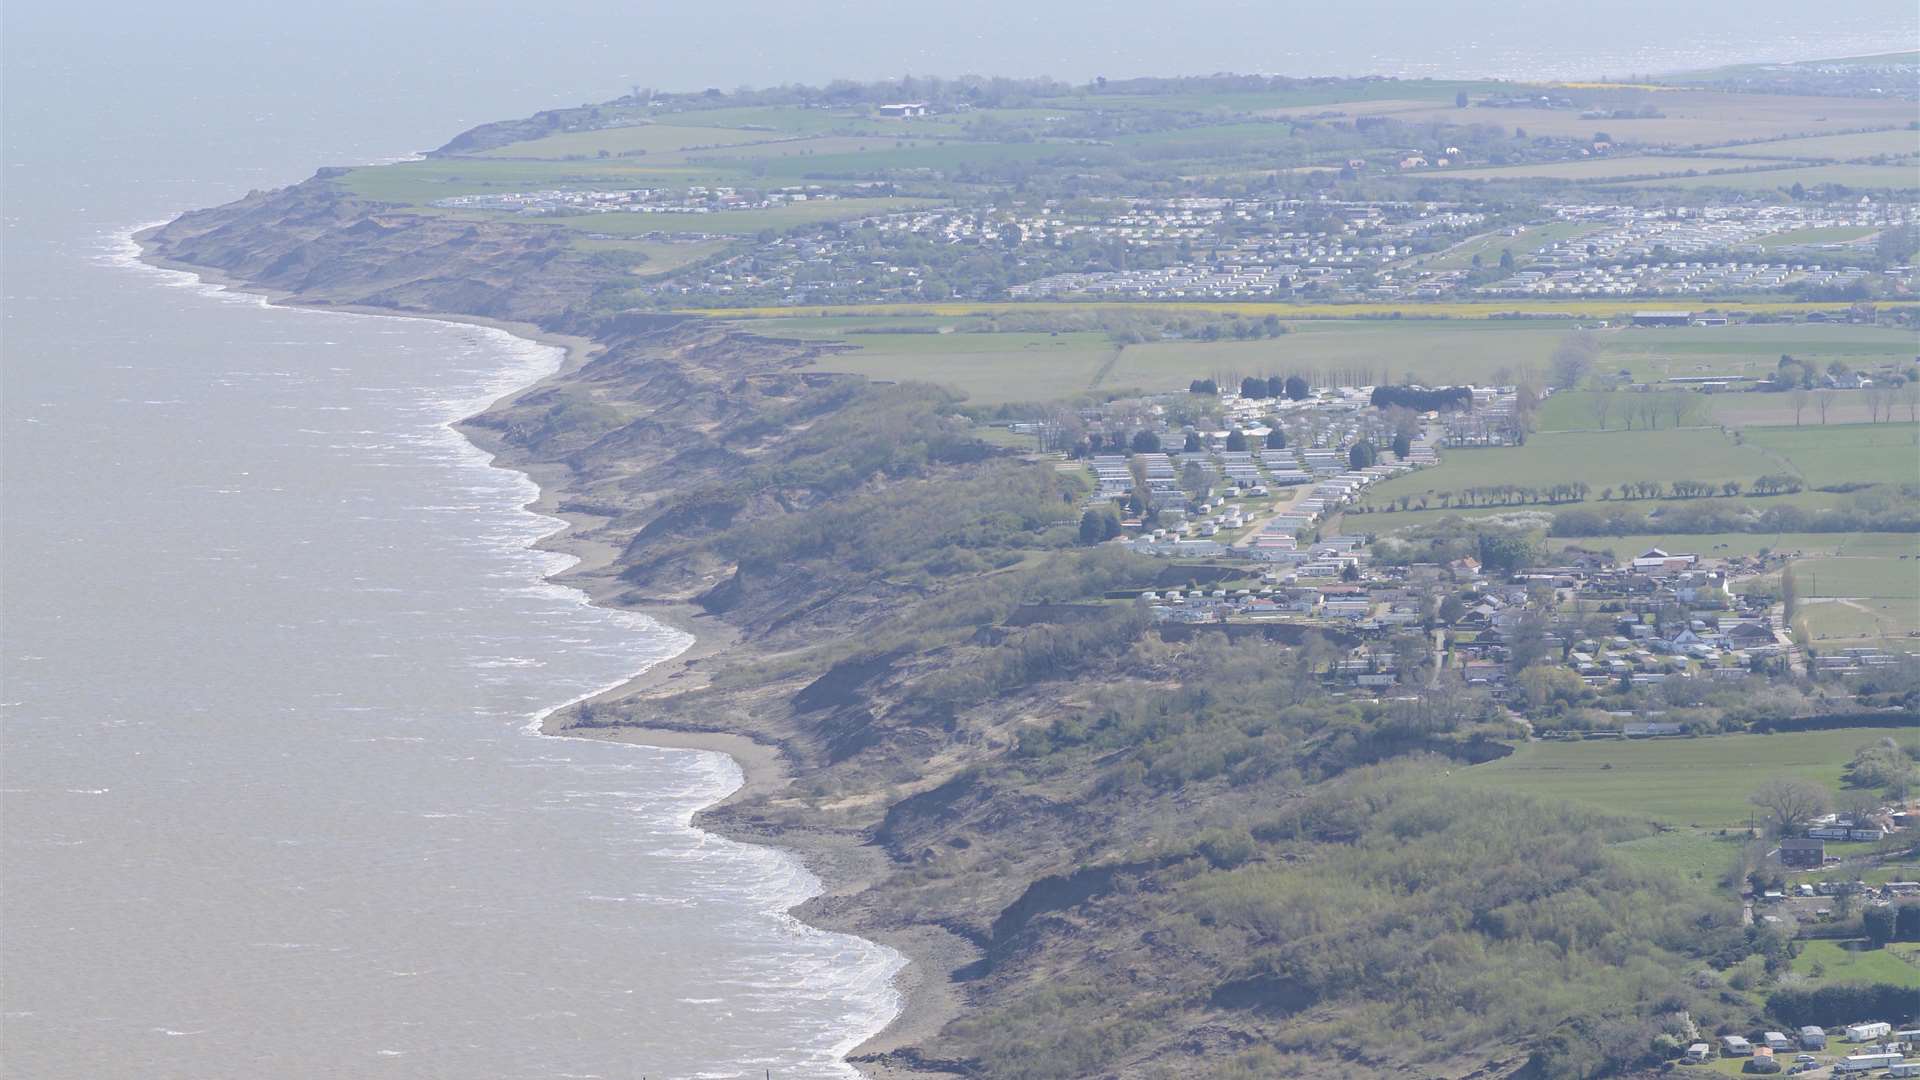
x: 324, y: 245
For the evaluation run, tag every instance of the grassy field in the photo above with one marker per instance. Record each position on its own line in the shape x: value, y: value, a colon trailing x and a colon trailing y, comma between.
x: 1602, y: 459
x: 420, y: 182
x: 988, y: 368
x: 642, y: 138
x: 1845, y: 453
x: 1488, y: 246
x: 735, y: 222
x: 1426, y: 350
x: 1411, y: 310
x: 1760, y: 410
x: 1692, y: 118
x: 1599, y: 168
x: 1682, y: 854
x: 660, y: 257
x: 1876, y: 177
x: 1837, y: 234
x: 1859, y: 576
x: 1380, y: 521
x: 1864, y: 144
x: 1869, y: 622
x: 1580, y: 410
x: 1728, y: 545
x: 1853, y: 961
x: 1701, y: 782
x: 1753, y: 349
x: 1861, y: 598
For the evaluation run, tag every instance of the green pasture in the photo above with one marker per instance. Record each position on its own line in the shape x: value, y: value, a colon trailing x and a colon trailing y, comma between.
x: 1699, y: 782
x: 1863, y: 144
x: 1870, y: 177
x: 420, y: 182
x: 1833, y: 234
x: 1595, y: 169
x: 1854, y: 961
x: 1879, y: 577
x: 1833, y: 454
x: 1529, y: 239
x: 1601, y: 459
x: 638, y: 138
x: 988, y: 368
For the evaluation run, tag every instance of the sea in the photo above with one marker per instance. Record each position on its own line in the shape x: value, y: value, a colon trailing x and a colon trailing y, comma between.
x: 275, y: 640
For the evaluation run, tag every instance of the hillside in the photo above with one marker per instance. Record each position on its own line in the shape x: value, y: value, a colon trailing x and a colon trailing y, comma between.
x: 1113, y: 846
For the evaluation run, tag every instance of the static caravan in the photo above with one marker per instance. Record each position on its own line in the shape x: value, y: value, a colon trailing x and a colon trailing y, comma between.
x: 1735, y: 1046
x: 1905, y: 1068
x: 1863, y: 1032
x: 1698, y: 1053
x: 1865, y: 1062
x: 1813, y: 1038
x: 1776, y: 1041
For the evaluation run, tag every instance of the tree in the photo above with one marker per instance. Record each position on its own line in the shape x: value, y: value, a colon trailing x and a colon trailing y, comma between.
x: 1203, y: 386
x: 1602, y: 406
x: 1506, y: 260
x: 1297, y: 388
x: 1099, y: 524
x: 1572, y: 359
x: 1402, y: 446
x: 1790, y: 802
x: 1253, y: 388
x: 1276, y: 438
x: 1823, y: 401
x: 1797, y: 397
x: 1505, y: 552
x: 1276, y: 386
x: 1145, y: 442
x: 1236, y: 440
x: 1196, y: 481
x: 1362, y: 455
x: 1878, y: 923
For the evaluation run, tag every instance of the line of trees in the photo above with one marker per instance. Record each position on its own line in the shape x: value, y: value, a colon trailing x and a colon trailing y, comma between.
x: 1255, y: 388
x: 1446, y: 399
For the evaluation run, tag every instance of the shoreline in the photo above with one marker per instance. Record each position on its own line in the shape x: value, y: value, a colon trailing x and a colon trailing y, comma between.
x: 843, y: 865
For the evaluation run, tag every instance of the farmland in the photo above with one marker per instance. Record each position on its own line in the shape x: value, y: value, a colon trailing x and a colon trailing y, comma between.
x: 1431, y: 351
x: 1875, y: 177
x: 1849, y: 453
x: 1679, y: 782
x: 641, y: 139
x: 1690, y: 118
x: 1599, y: 168
x: 1600, y: 459
x: 1899, y: 142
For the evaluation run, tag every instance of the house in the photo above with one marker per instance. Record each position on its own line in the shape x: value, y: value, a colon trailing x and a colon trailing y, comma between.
x: 904, y: 108
x: 1803, y: 853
